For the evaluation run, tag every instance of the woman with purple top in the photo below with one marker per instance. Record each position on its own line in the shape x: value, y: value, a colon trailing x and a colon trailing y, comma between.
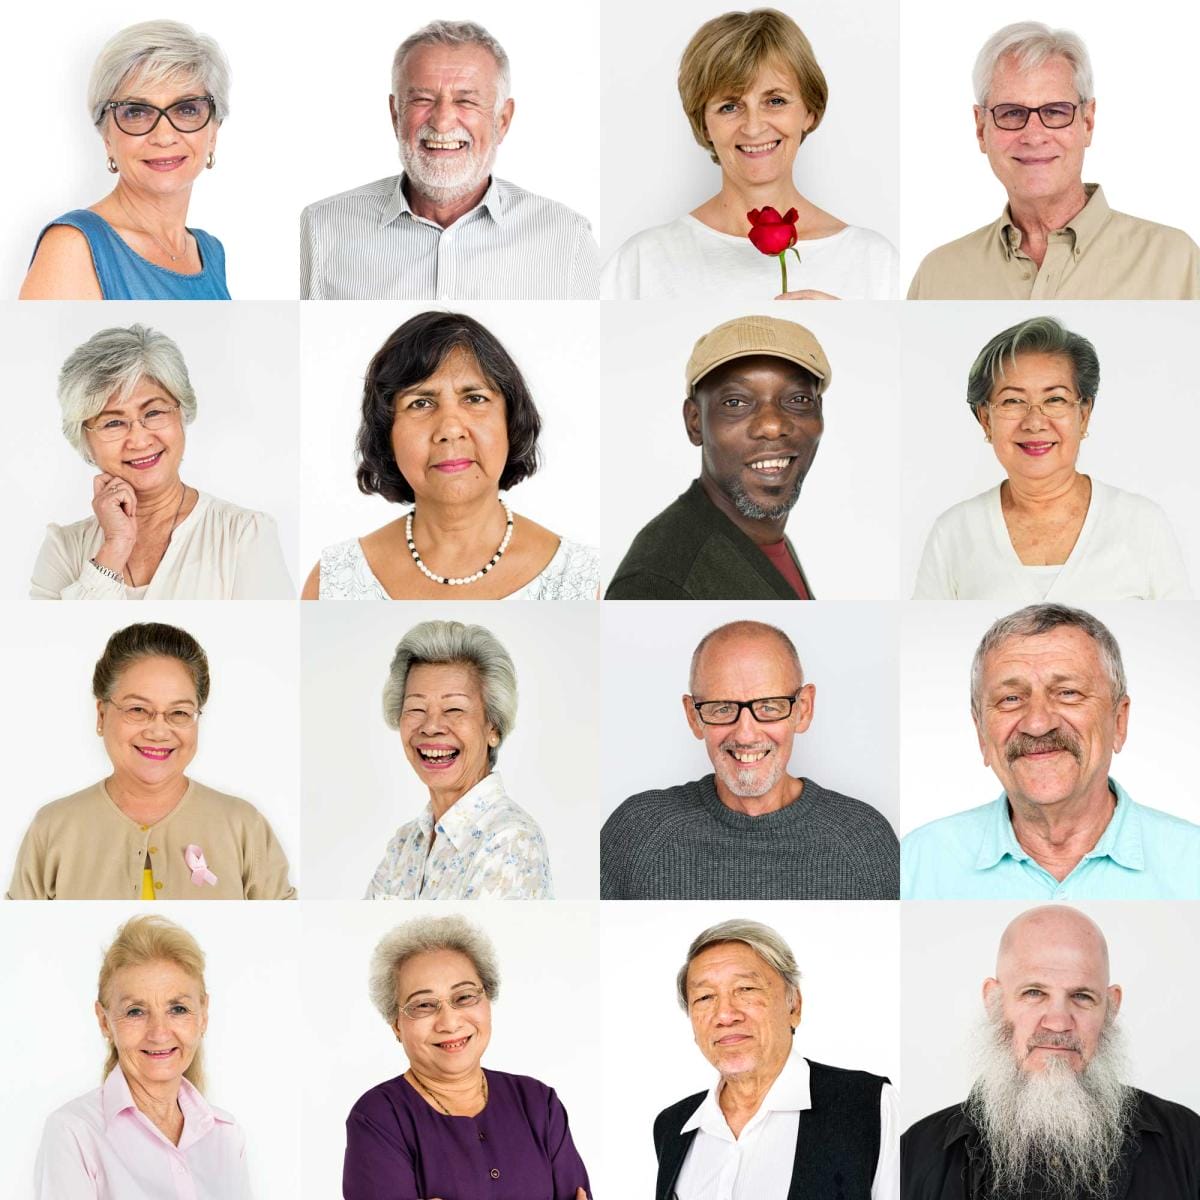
x: 446, y: 1128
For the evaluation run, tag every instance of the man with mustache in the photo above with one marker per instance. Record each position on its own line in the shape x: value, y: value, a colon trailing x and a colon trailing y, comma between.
x: 447, y: 229
x: 1049, y: 1115
x: 1051, y: 708
x: 750, y: 831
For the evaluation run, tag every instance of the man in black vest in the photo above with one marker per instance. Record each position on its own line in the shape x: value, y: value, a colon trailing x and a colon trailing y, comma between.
x: 1050, y: 1116
x: 774, y: 1126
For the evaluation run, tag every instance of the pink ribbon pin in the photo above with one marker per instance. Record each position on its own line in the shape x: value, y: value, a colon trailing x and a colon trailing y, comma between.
x: 194, y: 857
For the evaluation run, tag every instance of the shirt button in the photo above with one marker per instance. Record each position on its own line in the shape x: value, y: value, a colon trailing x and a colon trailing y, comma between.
x: 494, y: 1173
x: 481, y: 1137
x: 144, y: 828
x: 153, y: 849
x: 1026, y: 275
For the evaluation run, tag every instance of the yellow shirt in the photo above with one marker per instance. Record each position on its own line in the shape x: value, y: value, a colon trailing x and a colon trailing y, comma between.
x: 1099, y: 255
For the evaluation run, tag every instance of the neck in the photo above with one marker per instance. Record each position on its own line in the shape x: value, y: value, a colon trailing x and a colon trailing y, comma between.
x: 726, y: 211
x: 1038, y: 218
x: 786, y: 791
x: 457, y: 539
x: 162, y: 503
x: 462, y: 1091
x: 742, y: 1095
x: 1059, y: 835
x: 1036, y: 495
x: 443, y: 212
x: 164, y: 215
x: 760, y: 532
x: 441, y: 800
x: 160, y: 1102
x: 135, y: 798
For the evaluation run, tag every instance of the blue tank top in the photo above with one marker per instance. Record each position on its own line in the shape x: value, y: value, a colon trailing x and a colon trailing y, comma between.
x: 126, y: 275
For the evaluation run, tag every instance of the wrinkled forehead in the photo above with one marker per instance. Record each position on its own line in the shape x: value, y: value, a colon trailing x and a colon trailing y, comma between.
x: 1020, y: 79
x: 436, y: 66
x: 1065, y: 651
x: 160, y: 83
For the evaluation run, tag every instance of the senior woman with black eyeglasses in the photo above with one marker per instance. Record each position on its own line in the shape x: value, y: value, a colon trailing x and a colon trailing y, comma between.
x: 1047, y: 532
x: 158, y: 94
x: 445, y: 1127
x: 126, y: 397
x: 148, y: 831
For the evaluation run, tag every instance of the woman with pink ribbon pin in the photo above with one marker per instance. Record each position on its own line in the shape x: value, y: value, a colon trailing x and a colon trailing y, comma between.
x: 148, y: 831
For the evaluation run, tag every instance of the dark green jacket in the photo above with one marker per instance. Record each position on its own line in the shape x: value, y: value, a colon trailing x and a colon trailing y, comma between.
x: 693, y: 551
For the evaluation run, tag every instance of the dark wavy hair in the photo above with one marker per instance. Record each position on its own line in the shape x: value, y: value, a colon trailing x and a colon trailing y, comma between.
x: 413, y: 353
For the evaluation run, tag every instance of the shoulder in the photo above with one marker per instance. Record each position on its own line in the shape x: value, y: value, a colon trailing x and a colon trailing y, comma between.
x: 232, y: 518
x: 868, y: 241
x: 209, y: 244
x: 344, y: 573
x: 77, y: 534
x: 511, y: 823
x: 531, y: 205
x: 930, y: 1132
x: 670, y: 1121
x: 383, y: 1100
x: 659, y: 238
x: 1175, y: 1120
x: 62, y: 266
x: 966, y: 514
x: 377, y: 192
x: 232, y: 809
x: 862, y: 1085
x: 666, y: 546
x: 1129, y: 507
x: 941, y: 268
x: 957, y: 831
x: 84, y: 1113
x: 572, y: 574
x: 1181, y: 835
x: 1151, y: 233
x: 658, y: 808
x: 79, y: 805
x: 852, y: 815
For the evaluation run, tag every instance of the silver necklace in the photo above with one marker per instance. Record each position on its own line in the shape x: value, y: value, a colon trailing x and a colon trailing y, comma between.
x: 412, y: 549
x: 174, y: 522
x: 150, y: 232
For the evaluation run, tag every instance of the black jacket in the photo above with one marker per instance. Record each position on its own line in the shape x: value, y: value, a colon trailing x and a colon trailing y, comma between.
x: 942, y: 1157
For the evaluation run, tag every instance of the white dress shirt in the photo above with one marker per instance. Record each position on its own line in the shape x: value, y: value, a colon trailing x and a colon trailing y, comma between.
x: 758, y: 1164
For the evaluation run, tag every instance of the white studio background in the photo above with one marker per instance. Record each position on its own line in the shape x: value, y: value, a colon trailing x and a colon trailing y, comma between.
x: 557, y: 348
x: 847, y: 650
x: 655, y: 170
x: 948, y: 187
x: 950, y: 949
x: 547, y: 1023
x: 358, y: 785
x: 1146, y: 392
x: 849, y: 957
x: 345, y: 76
x: 243, y: 445
x: 941, y: 768
x: 55, y: 1052
x: 248, y: 735
x: 846, y: 525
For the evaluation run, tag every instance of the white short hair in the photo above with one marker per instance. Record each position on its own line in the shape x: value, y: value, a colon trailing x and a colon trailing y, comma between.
x: 156, y: 52
x: 455, y: 33
x: 112, y: 363
x: 762, y: 939
x: 1032, y: 43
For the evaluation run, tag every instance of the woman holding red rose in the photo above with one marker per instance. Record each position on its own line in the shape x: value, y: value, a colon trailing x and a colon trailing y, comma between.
x: 753, y: 91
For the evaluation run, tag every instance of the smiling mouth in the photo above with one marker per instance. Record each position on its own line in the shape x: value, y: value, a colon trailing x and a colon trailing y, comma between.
x: 437, y: 757
x: 770, y: 467
x: 455, y: 1046
x: 155, y: 753
x: 164, y: 164
x: 760, y: 148
x: 160, y: 1055
x: 141, y: 464
x: 1036, y: 448
x: 443, y: 147
x: 747, y: 757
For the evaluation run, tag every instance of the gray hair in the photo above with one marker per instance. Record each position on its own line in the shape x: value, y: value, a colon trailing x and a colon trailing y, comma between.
x: 762, y: 939
x: 1042, y: 618
x: 453, y: 642
x: 1038, y: 335
x: 1032, y: 43
x: 155, y: 52
x: 743, y: 627
x: 112, y: 363
x: 421, y: 936
x: 455, y: 33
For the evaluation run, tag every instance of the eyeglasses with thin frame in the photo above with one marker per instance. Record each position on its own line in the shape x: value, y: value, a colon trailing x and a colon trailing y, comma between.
x: 1012, y: 408
x: 137, y: 118
x: 430, y: 1006
x: 113, y: 429
x: 1056, y: 115
x: 727, y: 712
x: 139, y: 714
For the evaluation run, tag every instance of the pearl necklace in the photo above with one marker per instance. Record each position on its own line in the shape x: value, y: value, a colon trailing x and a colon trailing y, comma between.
x: 412, y: 549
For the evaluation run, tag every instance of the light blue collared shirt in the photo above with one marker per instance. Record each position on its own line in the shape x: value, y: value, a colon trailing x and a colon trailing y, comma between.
x: 1144, y: 854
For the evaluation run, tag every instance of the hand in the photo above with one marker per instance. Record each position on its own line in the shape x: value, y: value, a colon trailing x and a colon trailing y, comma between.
x: 580, y: 1194
x: 806, y: 294
x: 115, y: 504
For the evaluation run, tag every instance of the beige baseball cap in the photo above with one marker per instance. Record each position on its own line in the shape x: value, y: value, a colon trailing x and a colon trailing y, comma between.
x: 758, y: 335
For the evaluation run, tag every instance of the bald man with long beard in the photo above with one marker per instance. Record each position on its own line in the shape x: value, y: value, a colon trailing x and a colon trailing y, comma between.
x: 1049, y: 1116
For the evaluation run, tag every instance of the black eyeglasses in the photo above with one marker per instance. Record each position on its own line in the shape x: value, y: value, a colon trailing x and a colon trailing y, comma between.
x: 1057, y: 115
x: 138, y: 119
x: 727, y: 712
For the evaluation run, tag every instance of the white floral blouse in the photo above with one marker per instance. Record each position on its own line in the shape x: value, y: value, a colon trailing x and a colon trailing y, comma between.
x: 486, y: 848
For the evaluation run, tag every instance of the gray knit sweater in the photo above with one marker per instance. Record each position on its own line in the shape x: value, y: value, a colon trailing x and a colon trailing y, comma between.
x: 684, y: 844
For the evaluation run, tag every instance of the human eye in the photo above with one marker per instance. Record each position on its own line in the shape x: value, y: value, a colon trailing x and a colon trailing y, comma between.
x: 727, y: 106
x: 1033, y: 993
x: 181, y: 716
x: 466, y: 999
x: 477, y: 399
x: 771, y: 708
x: 719, y: 709
x: 747, y: 989
x: 135, y: 1010
x: 112, y: 423
x: 735, y: 402
x: 133, y: 112
x: 701, y: 999
x: 414, y: 710
x: 1012, y: 403
x: 137, y: 711
x: 1056, y: 404
x: 423, y: 1008
x: 419, y: 403
x: 1011, y: 112
x: 803, y: 403
x: 777, y: 102
x: 179, y: 1010
x: 1059, y: 112
x: 187, y: 108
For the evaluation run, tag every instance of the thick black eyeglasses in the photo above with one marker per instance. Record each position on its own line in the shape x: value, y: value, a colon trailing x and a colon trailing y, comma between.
x: 727, y: 712
x: 1057, y: 115
x: 185, y: 116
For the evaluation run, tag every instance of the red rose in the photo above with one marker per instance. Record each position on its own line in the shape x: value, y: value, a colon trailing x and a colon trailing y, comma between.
x: 771, y: 233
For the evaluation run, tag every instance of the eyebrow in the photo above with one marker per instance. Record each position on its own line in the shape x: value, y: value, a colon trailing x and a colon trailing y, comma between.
x: 754, y: 975
x: 443, y: 696
x: 135, y: 696
x: 1046, y: 987
x: 138, y: 1000
x: 120, y: 408
x: 1053, y: 387
x: 429, y: 991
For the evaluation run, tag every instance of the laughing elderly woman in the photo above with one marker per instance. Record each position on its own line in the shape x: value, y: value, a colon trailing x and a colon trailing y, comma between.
x: 452, y: 696
x: 126, y: 398
x: 446, y: 1127
x: 158, y: 94
x: 149, y: 1123
x: 1047, y: 532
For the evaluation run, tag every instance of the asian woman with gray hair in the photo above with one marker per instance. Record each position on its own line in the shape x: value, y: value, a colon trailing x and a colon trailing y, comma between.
x: 451, y: 694
x: 126, y: 398
x: 159, y: 93
x: 1047, y: 532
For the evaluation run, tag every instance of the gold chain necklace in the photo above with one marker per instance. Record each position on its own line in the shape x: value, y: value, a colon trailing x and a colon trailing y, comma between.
x: 441, y: 1103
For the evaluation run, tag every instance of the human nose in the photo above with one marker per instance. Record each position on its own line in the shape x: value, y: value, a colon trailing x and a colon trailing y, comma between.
x: 1039, y: 716
x: 448, y: 1018
x: 1033, y: 417
x: 450, y: 425
x: 163, y: 133
x: 728, y: 1013
x: 443, y: 115
x: 746, y: 727
x: 770, y: 422
x: 1056, y: 1016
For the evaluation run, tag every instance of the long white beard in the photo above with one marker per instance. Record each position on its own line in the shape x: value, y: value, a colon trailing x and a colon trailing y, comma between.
x: 1054, y: 1128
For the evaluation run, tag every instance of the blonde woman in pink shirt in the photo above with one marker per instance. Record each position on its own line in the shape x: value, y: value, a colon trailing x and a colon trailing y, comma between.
x: 147, y: 1132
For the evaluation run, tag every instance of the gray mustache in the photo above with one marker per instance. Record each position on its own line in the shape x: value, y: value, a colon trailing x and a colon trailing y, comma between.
x: 1021, y: 744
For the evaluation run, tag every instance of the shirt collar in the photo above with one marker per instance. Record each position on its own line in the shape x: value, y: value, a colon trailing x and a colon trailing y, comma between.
x: 1084, y: 226
x: 198, y: 1116
x: 464, y: 815
x: 1121, y: 840
x: 398, y: 205
x: 789, y: 1093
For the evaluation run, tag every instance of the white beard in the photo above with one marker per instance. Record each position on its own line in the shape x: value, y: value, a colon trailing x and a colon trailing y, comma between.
x: 445, y: 182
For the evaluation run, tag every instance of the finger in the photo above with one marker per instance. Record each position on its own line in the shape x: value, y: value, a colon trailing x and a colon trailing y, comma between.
x: 100, y: 482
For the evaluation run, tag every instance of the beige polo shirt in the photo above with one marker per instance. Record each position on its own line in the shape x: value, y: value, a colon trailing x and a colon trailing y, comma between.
x: 1099, y: 255
x: 84, y: 847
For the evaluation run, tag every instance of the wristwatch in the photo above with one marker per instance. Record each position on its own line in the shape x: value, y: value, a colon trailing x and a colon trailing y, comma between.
x: 107, y: 571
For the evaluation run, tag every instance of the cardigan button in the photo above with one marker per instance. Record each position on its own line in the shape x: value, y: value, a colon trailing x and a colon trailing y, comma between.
x: 494, y: 1173
x: 158, y: 885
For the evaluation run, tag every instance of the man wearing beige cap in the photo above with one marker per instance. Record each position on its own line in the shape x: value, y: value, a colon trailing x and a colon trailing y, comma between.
x: 754, y: 391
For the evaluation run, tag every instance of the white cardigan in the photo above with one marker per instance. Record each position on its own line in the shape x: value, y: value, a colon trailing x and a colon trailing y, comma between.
x: 1125, y: 551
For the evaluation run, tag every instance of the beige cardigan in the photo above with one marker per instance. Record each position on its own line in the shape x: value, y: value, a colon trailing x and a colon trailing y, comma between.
x: 84, y: 847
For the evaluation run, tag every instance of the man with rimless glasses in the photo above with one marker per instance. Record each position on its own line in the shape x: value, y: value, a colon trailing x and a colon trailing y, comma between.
x: 1057, y: 238
x: 749, y: 830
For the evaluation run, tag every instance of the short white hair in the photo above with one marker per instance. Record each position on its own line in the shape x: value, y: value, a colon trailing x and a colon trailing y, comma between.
x: 454, y: 33
x: 112, y: 363
x: 1032, y: 43
x: 762, y: 939
x: 154, y: 52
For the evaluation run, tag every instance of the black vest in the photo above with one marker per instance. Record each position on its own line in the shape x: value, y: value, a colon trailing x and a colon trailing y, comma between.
x: 837, y: 1147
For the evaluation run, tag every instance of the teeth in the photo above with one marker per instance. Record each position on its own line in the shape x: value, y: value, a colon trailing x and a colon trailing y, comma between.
x: 149, y: 458
x: 768, y: 464
x: 431, y: 145
x: 749, y: 756
x: 437, y: 753
x: 760, y: 146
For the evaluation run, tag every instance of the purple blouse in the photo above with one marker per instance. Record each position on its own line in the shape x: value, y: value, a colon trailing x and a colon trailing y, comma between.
x: 398, y: 1147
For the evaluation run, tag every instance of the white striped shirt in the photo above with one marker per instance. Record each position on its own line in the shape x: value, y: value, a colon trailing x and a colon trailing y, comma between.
x: 368, y: 244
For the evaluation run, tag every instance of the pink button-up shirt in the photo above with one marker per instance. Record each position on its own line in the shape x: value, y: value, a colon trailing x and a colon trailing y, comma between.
x: 100, y: 1147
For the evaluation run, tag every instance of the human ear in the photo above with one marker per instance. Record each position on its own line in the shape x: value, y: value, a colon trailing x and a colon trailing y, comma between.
x: 692, y: 422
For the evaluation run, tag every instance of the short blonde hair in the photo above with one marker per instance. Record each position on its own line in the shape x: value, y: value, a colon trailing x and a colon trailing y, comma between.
x: 727, y: 52
x: 148, y: 939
